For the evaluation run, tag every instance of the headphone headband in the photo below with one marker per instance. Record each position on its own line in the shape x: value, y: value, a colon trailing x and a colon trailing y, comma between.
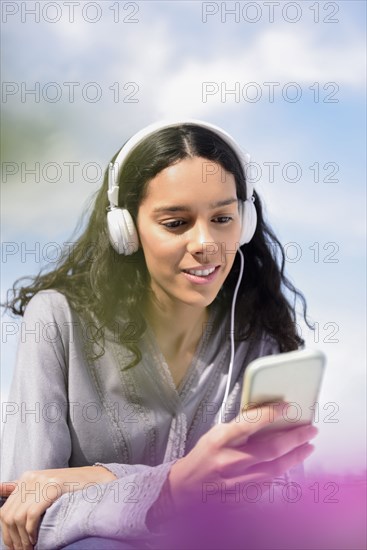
x: 121, y: 227
x: 115, y: 167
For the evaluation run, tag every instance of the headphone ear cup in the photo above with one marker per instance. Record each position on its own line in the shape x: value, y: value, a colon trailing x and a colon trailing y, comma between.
x: 122, y: 232
x: 248, y: 220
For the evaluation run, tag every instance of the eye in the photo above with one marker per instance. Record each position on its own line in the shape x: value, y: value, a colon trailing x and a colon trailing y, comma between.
x: 224, y: 219
x: 173, y: 224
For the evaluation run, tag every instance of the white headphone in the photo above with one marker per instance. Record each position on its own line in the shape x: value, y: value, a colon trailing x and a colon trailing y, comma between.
x: 122, y: 231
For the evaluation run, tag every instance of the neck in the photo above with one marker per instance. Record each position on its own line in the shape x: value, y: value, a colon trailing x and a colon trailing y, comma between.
x: 177, y: 329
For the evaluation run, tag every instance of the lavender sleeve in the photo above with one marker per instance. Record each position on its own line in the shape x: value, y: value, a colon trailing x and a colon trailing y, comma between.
x: 114, y: 510
x: 35, y: 431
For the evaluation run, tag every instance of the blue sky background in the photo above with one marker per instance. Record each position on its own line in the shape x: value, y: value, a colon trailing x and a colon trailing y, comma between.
x: 168, y: 53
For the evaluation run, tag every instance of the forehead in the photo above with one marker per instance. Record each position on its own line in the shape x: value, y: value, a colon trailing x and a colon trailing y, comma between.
x: 191, y: 180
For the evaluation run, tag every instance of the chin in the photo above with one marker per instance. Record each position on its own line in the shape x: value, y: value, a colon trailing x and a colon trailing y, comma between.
x: 202, y: 301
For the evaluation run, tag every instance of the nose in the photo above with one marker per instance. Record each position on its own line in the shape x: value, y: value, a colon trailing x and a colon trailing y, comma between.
x: 200, y: 239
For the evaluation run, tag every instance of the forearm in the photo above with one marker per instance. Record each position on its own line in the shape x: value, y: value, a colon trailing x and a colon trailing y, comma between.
x: 115, y: 510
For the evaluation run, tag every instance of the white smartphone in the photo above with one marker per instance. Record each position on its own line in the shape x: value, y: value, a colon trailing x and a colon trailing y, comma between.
x: 294, y: 377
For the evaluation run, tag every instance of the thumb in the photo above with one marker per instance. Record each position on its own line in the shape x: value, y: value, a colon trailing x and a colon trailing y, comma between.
x: 7, y: 488
x: 251, y: 420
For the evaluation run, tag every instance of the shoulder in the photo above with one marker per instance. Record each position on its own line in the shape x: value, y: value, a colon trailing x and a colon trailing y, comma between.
x: 53, y: 321
x: 270, y: 344
x: 48, y: 298
x: 48, y: 305
x: 263, y: 344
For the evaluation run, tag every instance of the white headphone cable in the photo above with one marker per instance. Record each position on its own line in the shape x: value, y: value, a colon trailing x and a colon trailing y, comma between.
x: 226, y: 393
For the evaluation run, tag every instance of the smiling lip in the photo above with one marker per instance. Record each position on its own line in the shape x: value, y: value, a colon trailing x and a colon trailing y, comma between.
x: 202, y: 280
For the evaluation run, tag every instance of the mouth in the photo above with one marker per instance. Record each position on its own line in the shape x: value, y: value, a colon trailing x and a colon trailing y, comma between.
x: 201, y: 276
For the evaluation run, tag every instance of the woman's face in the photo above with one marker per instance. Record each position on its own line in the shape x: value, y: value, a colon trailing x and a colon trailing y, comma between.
x: 189, y: 220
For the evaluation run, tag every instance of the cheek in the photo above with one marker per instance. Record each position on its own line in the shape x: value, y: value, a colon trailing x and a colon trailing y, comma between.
x: 159, y: 247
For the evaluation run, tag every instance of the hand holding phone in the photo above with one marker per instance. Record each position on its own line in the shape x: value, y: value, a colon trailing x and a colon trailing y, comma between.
x: 293, y: 377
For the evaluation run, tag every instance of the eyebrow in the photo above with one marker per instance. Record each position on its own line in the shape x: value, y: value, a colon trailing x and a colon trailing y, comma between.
x: 184, y: 208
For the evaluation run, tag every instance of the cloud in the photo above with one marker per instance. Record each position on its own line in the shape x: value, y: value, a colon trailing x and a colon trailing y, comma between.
x: 275, y: 56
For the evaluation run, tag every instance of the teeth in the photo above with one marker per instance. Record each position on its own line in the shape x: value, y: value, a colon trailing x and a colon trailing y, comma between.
x: 200, y: 273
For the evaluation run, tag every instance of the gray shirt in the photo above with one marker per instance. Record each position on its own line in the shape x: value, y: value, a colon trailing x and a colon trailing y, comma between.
x: 64, y: 410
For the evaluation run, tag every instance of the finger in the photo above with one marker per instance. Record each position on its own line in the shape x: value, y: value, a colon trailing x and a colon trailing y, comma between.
x: 28, y: 524
x: 18, y: 534
x: 13, y: 516
x: 15, y: 540
x: 278, y: 444
x: 281, y: 465
x: 267, y: 471
x: 24, y: 537
x: 32, y: 525
x: 7, y: 488
x: 234, y: 461
x: 21, y: 519
x: 9, y: 531
x: 6, y: 536
x: 249, y: 422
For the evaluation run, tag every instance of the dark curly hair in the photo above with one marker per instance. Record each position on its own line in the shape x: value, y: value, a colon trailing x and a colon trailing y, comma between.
x: 102, y: 285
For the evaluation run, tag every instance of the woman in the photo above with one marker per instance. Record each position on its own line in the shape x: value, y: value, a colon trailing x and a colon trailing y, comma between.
x: 129, y: 365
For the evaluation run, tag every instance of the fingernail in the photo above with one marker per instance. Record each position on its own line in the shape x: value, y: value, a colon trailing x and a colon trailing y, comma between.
x: 312, y: 431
